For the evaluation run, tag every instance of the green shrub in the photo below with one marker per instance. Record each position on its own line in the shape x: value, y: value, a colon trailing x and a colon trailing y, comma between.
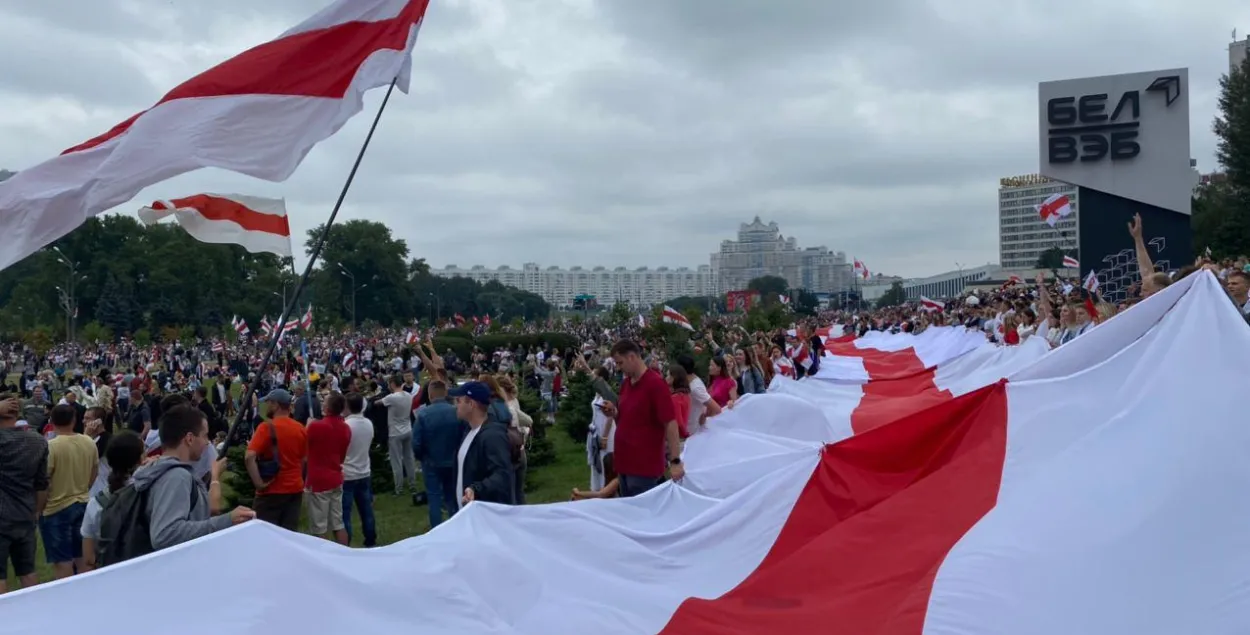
x: 574, y: 414
x: 241, y: 490
x: 382, y: 479
x: 540, y: 451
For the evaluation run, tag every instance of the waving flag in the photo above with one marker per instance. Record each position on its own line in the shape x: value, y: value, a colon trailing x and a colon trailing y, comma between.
x: 349, y: 360
x: 671, y: 316
x: 1070, y: 263
x: 258, y: 113
x: 240, y: 326
x: 266, y: 327
x: 1055, y: 207
x: 258, y: 224
x: 861, y: 269
x: 306, y: 322
x: 1091, y: 282
x: 931, y: 305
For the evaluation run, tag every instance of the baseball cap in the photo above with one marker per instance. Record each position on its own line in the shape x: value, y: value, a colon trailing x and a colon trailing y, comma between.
x: 278, y: 396
x: 475, y: 390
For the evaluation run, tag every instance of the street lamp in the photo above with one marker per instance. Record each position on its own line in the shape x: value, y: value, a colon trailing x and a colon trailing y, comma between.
x: 352, y: 278
x: 68, y: 301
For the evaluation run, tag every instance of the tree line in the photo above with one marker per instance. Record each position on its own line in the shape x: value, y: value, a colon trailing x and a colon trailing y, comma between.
x: 122, y: 278
x: 1221, y: 209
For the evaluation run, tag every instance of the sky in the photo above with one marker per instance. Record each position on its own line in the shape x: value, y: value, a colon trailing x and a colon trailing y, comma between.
x: 642, y: 132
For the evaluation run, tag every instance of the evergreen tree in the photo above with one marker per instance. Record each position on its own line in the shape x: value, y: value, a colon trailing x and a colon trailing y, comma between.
x: 1222, y: 211
x: 114, y: 310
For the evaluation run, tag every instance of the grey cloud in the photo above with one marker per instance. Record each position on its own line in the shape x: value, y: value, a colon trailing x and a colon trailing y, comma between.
x: 643, y: 132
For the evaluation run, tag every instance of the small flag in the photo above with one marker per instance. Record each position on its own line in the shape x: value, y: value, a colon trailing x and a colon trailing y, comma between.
x: 266, y: 327
x: 1055, y: 206
x: 861, y: 270
x: 784, y: 299
x: 1070, y: 263
x: 931, y: 305
x: 1091, y: 282
x: 349, y: 360
x: 305, y: 322
x: 671, y: 316
x: 410, y: 338
x: 218, y: 347
x: 258, y: 224
x: 240, y: 326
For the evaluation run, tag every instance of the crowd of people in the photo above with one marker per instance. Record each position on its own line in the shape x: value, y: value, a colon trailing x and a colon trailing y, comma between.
x: 111, y: 450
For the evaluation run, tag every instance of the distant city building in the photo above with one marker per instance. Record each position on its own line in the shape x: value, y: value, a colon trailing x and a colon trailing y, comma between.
x: 637, y: 287
x: 761, y: 250
x: 943, y: 285
x: 1022, y: 234
x: 1237, y: 53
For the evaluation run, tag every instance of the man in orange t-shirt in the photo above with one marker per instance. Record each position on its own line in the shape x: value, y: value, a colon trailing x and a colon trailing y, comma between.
x: 278, y: 473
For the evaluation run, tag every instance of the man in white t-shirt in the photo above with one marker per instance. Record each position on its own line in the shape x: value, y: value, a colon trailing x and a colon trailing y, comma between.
x: 357, y: 471
x: 399, y: 434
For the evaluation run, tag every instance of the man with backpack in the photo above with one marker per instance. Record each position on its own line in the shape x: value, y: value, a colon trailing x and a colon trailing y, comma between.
x: 166, y: 505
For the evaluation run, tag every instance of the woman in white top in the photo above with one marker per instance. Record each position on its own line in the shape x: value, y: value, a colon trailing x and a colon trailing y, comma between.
x: 124, y: 454
x: 602, y: 434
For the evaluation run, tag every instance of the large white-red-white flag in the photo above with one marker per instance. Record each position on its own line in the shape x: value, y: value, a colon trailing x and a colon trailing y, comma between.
x: 259, y: 224
x: 926, y: 484
x: 258, y: 113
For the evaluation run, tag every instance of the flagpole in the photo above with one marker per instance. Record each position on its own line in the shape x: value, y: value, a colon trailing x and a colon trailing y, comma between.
x: 312, y: 260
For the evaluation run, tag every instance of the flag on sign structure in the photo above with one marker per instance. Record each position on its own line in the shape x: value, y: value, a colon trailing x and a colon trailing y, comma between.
x: 260, y: 225
x: 671, y: 316
x: 258, y: 113
x: 931, y: 305
x: 1071, y: 263
x: 1055, y: 206
x: 1091, y: 282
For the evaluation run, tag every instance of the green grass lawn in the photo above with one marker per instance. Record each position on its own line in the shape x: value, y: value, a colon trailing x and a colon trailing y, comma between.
x: 398, y: 519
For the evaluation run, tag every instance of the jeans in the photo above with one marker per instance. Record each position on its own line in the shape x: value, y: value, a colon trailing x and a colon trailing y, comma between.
x: 440, y: 490
x: 361, y: 491
x: 62, y: 534
x: 403, y: 463
x: 635, y: 485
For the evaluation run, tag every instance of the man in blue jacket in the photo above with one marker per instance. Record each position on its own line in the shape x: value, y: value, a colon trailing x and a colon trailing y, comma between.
x: 435, y: 441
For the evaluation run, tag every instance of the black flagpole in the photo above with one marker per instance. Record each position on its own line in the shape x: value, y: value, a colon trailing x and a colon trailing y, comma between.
x: 276, y: 336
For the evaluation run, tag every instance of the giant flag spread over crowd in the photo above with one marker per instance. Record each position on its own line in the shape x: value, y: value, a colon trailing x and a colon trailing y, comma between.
x: 920, y: 485
x: 258, y: 113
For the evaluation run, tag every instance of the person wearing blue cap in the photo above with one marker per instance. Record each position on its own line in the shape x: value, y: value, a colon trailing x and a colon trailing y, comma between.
x: 484, y: 462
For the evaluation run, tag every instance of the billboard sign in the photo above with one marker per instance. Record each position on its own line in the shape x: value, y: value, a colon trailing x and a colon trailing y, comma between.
x: 1126, y: 135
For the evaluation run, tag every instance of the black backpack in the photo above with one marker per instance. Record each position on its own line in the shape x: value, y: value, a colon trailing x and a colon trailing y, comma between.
x: 124, y: 523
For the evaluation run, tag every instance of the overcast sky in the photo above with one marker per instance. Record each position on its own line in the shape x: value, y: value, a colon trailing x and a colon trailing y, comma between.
x: 642, y: 132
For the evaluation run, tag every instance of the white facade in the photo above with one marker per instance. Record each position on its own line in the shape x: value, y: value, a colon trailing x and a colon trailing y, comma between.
x: 941, y: 286
x: 1022, y: 234
x: 1237, y: 53
x: 761, y: 250
x: 637, y: 287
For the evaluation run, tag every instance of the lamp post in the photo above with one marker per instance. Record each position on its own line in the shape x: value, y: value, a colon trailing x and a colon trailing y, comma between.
x: 68, y: 300
x: 352, y: 280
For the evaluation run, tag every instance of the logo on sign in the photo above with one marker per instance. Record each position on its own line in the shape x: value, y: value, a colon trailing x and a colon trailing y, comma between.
x: 1092, y: 128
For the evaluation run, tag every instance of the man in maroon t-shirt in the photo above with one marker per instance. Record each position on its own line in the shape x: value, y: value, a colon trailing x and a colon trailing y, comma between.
x: 328, y: 439
x: 645, y: 425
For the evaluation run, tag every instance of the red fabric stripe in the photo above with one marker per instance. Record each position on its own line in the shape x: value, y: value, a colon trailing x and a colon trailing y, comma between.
x: 318, y: 63
x: 863, y: 544
x: 898, y: 385
x: 223, y: 209
x: 1052, y: 207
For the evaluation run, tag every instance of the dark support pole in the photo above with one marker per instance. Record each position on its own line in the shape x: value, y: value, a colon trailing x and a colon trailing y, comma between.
x: 312, y: 260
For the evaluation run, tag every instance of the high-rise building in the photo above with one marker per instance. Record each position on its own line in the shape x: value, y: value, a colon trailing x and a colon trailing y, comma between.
x: 637, y: 287
x: 761, y: 250
x: 1022, y: 234
x: 1237, y: 53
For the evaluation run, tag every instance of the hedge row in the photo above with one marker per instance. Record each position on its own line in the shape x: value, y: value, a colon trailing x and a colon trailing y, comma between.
x: 462, y: 342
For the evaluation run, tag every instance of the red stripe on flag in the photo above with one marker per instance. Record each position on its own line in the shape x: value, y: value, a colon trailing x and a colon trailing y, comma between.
x: 223, y: 209
x: 318, y: 63
x: 861, y: 549
x: 898, y: 385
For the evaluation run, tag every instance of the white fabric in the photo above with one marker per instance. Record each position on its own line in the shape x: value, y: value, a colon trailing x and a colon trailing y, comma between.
x: 1120, y: 511
x: 264, y: 136
x: 227, y: 232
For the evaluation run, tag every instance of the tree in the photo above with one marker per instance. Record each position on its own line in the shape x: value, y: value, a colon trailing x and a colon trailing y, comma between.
x: 619, y: 313
x: 769, y: 285
x: 1051, y: 258
x: 1221, y: 215
x: 365, y: 253
x: 893, y: 297
x: 805, y: 302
